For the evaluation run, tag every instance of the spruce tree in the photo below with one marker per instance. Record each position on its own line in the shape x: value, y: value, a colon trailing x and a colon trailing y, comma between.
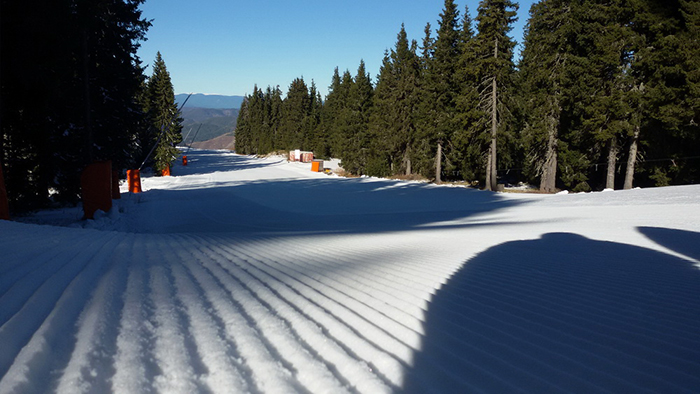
x: 314, y: 138
x: 396, y: 100
x: 295, y: 108
x: 334, y: 110
x: 72, y: 78
x: 381, y: 121
x: 606, y: 108
x: 406, y: 67
x: 165, y: 117
x: 355, y: 121
x: 441, y: 83
x: 243, y: 131
x: 542, y: 75
x: 667, y: 65
x: 423, y: 156
x: 494, y: 50
x: 467, y: 145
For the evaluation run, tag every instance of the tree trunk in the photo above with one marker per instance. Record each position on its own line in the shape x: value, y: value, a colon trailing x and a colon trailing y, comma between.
x: 549, y: 169
x: 438, y: 163
x: 407, y: 160
x: 612, y: 160
x: 491, y: 178
x: 631, y: 160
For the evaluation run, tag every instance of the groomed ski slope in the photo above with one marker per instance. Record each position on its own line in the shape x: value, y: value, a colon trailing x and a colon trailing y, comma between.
x: 247, y: 275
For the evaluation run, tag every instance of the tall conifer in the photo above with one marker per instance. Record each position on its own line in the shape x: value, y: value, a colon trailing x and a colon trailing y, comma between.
x: 542, y: 75
x: 165, y: 117
x: 467, y: 145
x: 494, y: 49
x: 441, y: 83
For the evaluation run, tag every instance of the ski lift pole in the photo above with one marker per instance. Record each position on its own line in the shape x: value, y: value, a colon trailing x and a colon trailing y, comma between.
x: 193, y: 138
x: 188, y: 134
x: 162, y: 132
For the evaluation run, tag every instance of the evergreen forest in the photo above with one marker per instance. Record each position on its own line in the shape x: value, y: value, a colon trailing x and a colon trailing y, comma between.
x: 605, y: 94
x: 73, y: 92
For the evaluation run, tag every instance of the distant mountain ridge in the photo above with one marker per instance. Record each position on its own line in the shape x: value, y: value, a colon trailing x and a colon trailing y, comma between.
x: 210, y: 101
x: 211, y: 123
x: 208, y: 117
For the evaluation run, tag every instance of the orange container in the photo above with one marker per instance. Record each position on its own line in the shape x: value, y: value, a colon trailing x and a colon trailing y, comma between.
x: 317, y: 166
x: 165, y: 172
x: 134, y: 179
x: 4, y: 205
x: 116, y: 194
x: 96, y: 187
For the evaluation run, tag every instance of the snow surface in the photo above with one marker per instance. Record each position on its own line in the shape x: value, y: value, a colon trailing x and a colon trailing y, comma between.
x: 257, y: 275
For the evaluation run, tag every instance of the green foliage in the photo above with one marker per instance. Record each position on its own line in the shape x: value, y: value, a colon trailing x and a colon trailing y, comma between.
x: 595, y: 80
x: 165, y: 120
x: 268, y: 123
x: 68, y: 86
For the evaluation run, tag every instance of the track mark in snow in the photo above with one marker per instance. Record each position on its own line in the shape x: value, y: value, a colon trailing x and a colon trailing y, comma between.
x: 385, y: 352
x: 262, y: 371
x: 177, y: 374
x: 132, y: 363
x: 358, y: 372
x: 90, y: 365
x: 312, y: 373
x: 26, y: 279
x: 221, y: 373
x: 44, y: 322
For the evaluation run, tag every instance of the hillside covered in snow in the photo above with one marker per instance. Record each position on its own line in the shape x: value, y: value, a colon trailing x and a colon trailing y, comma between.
x: 241, y: 274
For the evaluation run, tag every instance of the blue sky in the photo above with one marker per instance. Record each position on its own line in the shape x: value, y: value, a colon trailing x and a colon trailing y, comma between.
x: 226, y: 47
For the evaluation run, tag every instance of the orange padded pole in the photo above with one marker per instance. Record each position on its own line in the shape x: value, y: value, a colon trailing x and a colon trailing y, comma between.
x: 96, y: 185
x: 134, y: 179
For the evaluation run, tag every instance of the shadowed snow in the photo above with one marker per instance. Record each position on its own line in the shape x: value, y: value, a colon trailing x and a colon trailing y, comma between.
x: 242, y: 274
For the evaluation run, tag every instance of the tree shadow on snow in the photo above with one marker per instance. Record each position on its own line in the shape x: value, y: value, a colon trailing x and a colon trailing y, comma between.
x: 209, y: 161
x: 683, y: 242
x: 317, y: 205
x: 566, y: 314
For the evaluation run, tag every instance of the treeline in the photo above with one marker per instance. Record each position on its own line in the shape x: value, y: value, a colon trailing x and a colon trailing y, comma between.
x: 605, y: 95
x: 73, y: 92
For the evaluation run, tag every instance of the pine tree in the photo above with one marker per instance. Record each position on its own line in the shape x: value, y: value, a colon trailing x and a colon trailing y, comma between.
x: 355, y: 121
x: 256, y: 119
x: 314, y: 138
x: 243, y: 131
x: 72, y: 79
x: 467, y: 145
x: 542, y: 75
x: 606, y: 109
x: 381, y: 121
x: 666, y: 67
x: 333, y: 113
x: 441, y: 83
x: 165, y: 117
x: 295, y: 109
x: 495, y: 53
x: 423, y: 156
x: 393, y: 121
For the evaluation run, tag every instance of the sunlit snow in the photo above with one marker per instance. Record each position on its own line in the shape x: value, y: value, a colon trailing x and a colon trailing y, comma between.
x: 242, y: 274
